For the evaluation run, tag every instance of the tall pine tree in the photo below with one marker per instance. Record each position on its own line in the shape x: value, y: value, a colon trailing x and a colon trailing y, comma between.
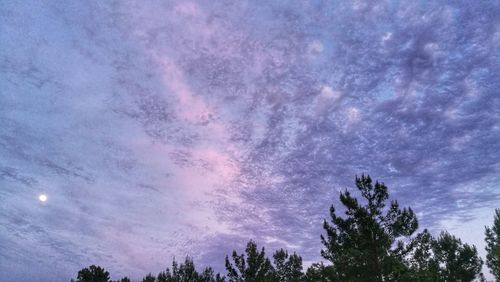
x: 288, y: 267
x: 457, y: 261
x: 93, y: 274
x: 360, y: 244
x: 186, y: 272
x: 493, y: 246
x: 255, y: 267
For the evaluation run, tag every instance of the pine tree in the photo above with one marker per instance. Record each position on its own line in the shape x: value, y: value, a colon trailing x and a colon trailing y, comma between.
x: 443, y: 259
x: 186, y: 272
x: 320, y: 272
x: 419, y: 257
x: 255, y: 267
x: 493, y: 246
x: 208, y: 276
x: 360, y: 245
x: 458, y: 261
x: 149, y: 278
x: 93, y: 274
x: 288, y: 267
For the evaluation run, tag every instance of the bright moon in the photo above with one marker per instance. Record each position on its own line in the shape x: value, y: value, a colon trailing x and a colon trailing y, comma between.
x: 42, y: 198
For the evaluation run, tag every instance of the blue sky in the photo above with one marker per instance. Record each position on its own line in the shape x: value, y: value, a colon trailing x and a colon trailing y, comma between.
x: 172, y: 128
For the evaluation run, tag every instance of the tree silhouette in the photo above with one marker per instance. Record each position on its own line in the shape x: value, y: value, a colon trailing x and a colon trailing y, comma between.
x: 320, y: 272
x: 186, y: 272
x: 441, y: 259
x: 149, y: 278
x: 420, y: 260
x: 360, y: 245
x: 493, y: 246
x: 93, y: 274
x: 458, y: 262
x: 208, y: 276
x: 124, y: 279
x: 255, y: 267
x: 183, y: 272
x: 288, y: 267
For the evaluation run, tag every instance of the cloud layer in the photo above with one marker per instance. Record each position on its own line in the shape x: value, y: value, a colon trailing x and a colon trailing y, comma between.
x: 161, y: 129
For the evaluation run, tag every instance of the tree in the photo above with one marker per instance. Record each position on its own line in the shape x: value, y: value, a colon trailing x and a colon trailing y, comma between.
x: 419, y: 258
x: 288, y: 267
x: 458, y: 262
x: 186, y: 272
x: 441, y: 259
x: 149, y: 278
x: 255, y: 267
x: 93, y: 274
x: 360, y: 245
x: 493, y: 246
x: 320, y: 272
x: 208, y: 276
x: 124, y: 279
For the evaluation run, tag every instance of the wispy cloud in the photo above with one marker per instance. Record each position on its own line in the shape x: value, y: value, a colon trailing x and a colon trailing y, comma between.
x: 161, y: 129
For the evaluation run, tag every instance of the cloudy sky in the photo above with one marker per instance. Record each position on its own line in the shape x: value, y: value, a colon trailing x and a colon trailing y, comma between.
x: 171, y: 128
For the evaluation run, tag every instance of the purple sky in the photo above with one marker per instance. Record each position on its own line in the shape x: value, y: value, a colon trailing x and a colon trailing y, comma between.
x: 173, y: 128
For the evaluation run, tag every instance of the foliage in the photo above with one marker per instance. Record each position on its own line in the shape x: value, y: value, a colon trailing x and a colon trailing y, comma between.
x: 360, y: 245
x: 124, y: 279
x: 186, y: 272
x: 320, y: 272
x: 420, y: 261
x: 255, y: 267
x: 443, y: 259
x: 93, y: 274
x: 208, y: 276
x: 458, y: 262
x: 493, y: 246
x: 182, y: 272
x: 149, y: 278
x: 288, y: 268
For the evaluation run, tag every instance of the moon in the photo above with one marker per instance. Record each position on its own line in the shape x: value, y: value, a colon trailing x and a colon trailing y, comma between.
x: 42, y: 198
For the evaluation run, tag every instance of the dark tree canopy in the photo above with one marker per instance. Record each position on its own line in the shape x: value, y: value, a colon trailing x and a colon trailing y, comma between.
x: 149, y: 278
x: 288, y: 267
x: 208, y: 276
x: 186, y: 272
x: 493, y: 246
x: 320, y: 272
x: 93, y: 274
x: 183, y: 272
x: 443, y: 259
x: 420, y: 261
x: 254, y: 267
x: 458, y: 261
x: 360, y: 244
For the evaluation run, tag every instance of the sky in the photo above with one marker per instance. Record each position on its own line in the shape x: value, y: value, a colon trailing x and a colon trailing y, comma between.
x: 160, y: 129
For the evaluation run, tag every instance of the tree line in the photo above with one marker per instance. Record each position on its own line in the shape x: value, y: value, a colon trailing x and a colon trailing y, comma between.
x: 374, y: 240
